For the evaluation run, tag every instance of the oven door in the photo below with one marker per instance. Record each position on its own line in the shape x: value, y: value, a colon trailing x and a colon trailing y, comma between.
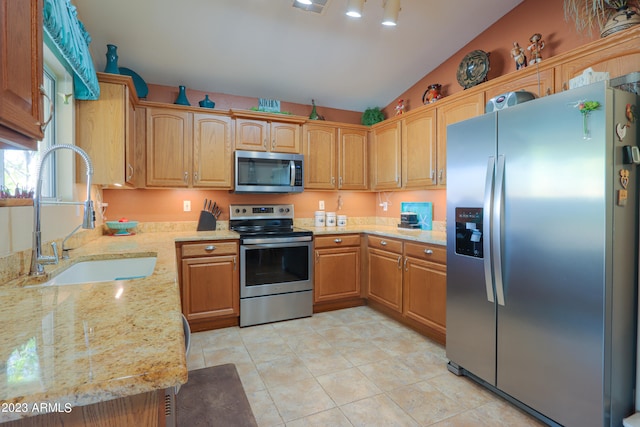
x: 275, y: 268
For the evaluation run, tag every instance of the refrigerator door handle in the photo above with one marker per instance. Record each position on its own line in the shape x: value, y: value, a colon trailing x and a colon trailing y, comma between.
x: 496, y: 230
x: 486, y: 226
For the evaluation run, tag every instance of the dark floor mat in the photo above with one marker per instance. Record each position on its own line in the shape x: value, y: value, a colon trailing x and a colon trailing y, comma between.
x: 214, y: 396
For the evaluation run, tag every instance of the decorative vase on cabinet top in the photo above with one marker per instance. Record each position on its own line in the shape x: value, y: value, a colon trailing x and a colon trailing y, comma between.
x: 207, y: 103
x: 182, y: 96
x: 112, y: 60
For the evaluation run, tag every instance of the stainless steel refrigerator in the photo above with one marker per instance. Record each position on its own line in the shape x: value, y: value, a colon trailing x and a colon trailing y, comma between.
x: 542, y: 255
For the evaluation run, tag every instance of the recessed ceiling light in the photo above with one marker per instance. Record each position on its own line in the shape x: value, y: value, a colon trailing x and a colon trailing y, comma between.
x: 305, y: 1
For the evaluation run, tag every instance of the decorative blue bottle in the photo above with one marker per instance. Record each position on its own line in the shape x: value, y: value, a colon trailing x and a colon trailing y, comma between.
x: 182, y: 97
x: 112, y: 60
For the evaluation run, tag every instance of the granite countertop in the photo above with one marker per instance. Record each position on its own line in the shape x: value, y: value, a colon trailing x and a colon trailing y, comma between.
x: 422, y: 236
x: 85, y: 343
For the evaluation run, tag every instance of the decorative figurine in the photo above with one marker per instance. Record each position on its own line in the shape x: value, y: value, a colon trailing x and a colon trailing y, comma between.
x: 432, y: 94
x: 518, y: 55
x: 537, y: 44
x: 400, y: 107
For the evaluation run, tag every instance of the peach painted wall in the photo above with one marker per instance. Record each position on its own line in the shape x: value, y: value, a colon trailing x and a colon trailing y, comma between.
x: 166, y: 205
x: 529, y: 17
x: 168, y: 94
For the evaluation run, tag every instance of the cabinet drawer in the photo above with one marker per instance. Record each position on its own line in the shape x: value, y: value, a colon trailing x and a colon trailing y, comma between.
x: 426, y: 252
x: 385, y: 244
x: 337, y: 240
x: 209, y: 248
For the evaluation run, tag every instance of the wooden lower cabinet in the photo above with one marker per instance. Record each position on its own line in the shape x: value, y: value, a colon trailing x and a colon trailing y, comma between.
x: 210, y: 284
x: 337, y: 272
x: 424, y: 287
x: 408, y: 281
x: 385, y: 272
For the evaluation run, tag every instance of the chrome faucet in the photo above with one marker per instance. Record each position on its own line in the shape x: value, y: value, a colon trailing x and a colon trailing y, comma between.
x: 88, y: 222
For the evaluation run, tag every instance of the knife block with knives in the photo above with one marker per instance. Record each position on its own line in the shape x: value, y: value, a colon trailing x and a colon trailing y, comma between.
x: 208, y: 216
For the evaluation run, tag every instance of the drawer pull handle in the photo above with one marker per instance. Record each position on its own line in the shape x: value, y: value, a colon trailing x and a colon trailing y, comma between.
x: 383, y: 242
x: 406, y: 260
x: 337, y: 240
x: 428, y: 251
x: 400, y: 262
x: 210, y: 248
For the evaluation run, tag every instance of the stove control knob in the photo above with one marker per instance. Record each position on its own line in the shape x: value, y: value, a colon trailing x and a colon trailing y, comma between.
x: 244, y: 211
x: 237, y: 210
x: 287, y: 210
x: 281, y: 210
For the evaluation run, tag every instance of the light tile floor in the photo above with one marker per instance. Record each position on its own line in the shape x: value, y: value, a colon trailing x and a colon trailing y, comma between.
x: 351, y: 367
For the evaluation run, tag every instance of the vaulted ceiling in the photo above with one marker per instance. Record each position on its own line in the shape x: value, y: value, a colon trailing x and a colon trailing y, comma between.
x: 270, y: 49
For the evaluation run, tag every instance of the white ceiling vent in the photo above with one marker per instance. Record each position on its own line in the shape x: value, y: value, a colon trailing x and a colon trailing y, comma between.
x: 317, y: 6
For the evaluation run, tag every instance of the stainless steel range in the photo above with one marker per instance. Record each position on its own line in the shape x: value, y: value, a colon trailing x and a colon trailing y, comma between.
x: 276, y: 268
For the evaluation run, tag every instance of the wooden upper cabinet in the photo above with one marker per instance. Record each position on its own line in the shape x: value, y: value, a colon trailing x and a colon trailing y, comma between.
x: 335, y: 156
x: 212, y: 151
x: 461, y: 108
x: 21, y: 74
x: 619, y: 54
x: 386, y: 157
x: 259, y: 131
x: 285, y: 137
x: 319, y: 149
x: 419, y: 150
x: 539, y: 82
x: 252, y: 135
x: 106, y: 130
x: 353, y: 173
x: 168, y: 147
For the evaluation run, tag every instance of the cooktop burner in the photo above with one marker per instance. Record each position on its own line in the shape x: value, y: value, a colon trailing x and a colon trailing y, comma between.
x: 264, y: 221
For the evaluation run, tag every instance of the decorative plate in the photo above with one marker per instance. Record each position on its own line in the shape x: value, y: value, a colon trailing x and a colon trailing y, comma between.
x: 473, y: 69
x: 141, y: 87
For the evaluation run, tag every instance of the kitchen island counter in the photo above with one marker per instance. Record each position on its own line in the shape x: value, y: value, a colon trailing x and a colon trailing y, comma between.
x: 74, y: 345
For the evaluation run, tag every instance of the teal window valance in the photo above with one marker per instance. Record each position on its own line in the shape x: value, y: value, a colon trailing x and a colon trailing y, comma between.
x: 69, y: 41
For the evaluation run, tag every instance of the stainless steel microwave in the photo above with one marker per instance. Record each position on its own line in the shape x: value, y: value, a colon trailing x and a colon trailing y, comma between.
x: 260, y: 172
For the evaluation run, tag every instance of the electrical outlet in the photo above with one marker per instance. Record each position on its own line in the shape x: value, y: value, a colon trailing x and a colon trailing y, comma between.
x: 385, y: 206
x: 321, y: 205
x: 186, y: 205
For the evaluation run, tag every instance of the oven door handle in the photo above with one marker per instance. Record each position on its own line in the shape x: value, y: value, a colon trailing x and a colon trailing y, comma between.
x: 268, y: 242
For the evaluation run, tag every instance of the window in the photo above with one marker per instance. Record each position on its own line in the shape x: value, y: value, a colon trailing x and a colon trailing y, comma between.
x: 19, y: 168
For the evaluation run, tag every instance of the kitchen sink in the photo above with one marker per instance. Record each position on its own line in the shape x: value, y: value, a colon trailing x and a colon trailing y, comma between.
x: 105, y: 270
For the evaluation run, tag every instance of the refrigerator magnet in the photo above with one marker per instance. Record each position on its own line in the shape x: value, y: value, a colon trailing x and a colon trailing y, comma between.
x: 621, y: 131
x: 622, y: 197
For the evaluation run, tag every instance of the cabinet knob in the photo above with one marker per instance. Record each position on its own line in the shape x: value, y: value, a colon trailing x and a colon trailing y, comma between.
x: 186, y: 177
x: 210, y: 248
x: 195, y: 177
x: 383, y: 242
x: 441, y: 175
x: 428, y: 251
x: 340, y: 182
x: 338, y: 240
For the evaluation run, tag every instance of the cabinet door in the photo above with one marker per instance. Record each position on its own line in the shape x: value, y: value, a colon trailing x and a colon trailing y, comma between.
x: 285, y: 137
x: 385, y: 278
x: 425, y: 293
x: 337, y: 274
x: 453, y: 112
x: 252, y: 135
x: 210, y: 287
x: 168, y: 147
x: 539, y: 83
x: 352, y: 159
x: 617, y: 54
x: 386, y: 157
x: 20, y: 73
x: 319, y: 149
x: 101, y: 130
x: 419, y: 150
x: 212, y: 152
x: 130, y: 142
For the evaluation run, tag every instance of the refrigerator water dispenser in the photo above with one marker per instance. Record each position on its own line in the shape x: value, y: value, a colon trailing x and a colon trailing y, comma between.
x: 469, y: 232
